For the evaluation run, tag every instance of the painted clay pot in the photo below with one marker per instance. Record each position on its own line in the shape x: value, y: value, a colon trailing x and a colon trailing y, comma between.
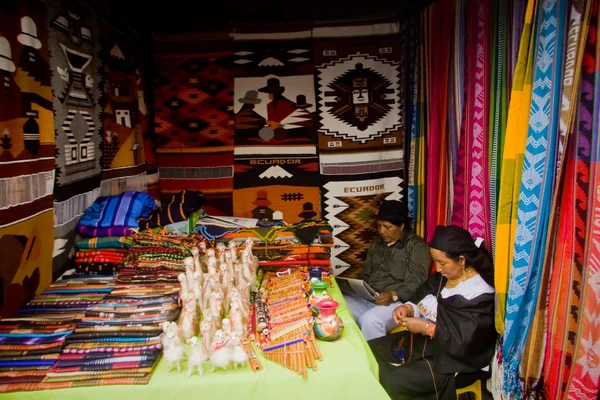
x: 328, y: 325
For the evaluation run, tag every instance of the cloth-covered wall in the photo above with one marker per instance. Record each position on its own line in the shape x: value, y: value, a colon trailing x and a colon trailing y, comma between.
x: 56, y: 156
x: 319, y: 118
x: 100, y: 115
x: 193, y: 103
x: 26, y: 155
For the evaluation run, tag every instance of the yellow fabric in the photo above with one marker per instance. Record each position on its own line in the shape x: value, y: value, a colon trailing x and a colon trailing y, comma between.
x: 512, y: 163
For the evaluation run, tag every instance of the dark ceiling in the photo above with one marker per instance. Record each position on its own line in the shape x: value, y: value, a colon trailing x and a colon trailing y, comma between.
x: 172, y: 16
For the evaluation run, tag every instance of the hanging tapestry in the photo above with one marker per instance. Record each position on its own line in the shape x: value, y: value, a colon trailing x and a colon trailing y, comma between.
x: 512, y: 163
x: 203, y: 169
x: 277, y: 185
x: 193, y: 94
x: 350, y: 207
x: 125, y: 115
x: 274, y: 95
x: 276, y: 163
x: 471, y: 190
x: 437, y: 26
x: 26, y: 155
x: 536, y: 190
x: 193, y: 91
x: 360, y: 87
x: 75, y: 63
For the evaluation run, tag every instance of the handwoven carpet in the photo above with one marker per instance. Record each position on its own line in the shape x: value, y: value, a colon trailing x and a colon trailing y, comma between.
x: 360, y: 87
x: 74, y: 43
x: 276, y: 162
x: 193, y: 96
x: 26, y: 156
x: 125, y: 115
x: 350, y: 206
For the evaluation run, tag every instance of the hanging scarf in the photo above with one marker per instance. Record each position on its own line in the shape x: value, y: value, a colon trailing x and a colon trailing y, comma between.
x: 415, y: 167
x: 533, y: 357
x: 471, y: 201
x: 536, y: 190
x: 584, y: 383
x: 498, y: 106
x: 512, y: 164
x: 439, y: 29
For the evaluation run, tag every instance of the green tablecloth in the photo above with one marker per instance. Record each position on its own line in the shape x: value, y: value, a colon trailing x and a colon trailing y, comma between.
x: 348, y: 371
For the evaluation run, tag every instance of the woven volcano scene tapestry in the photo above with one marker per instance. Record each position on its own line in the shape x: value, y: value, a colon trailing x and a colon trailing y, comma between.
x: 193, y: 98
x: 350, y: 207
x: 125, y: 115
x: 280, y: 187
x: 74, y: 44
x: 360, y: 70
x: 26, y: 155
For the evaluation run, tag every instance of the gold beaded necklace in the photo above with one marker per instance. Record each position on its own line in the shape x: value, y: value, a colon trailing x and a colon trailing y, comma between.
x: 468, y: 273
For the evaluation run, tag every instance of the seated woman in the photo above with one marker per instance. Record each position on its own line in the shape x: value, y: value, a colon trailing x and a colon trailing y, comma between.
x: 449, y: 323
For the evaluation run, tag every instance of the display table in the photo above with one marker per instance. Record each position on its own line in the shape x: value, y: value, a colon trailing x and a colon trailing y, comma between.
x: 348, y: 371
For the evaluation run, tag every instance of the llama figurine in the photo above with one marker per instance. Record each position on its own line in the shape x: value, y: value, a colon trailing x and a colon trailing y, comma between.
x: 221, y: 252
x: 206, y: 333
x: 236, y: 317
x: 184, y: 286
x: 220, y: 352
x: 239, y: 354
x: 197, y: 357
x: 197, y: 265
x: 188, y: 320
x: 215, y: 304
x: 211, y: 266
x: 172, y: 327
x: 226, y: 326
x: 233, y: 250
x: 211, y: 285
x: 173, y: 350
x: 210, y: 320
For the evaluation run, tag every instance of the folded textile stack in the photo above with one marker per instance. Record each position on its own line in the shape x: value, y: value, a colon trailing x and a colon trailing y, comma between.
x: 157, y: 258
x: 177, y: 215
x: 32, y: 341
x: 107, y: 227
x: 86, y: 331
x: 118, y: 341
x: 302, y: 244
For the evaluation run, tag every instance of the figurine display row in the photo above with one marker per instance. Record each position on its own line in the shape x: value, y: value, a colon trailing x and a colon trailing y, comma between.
x: 214, y: 296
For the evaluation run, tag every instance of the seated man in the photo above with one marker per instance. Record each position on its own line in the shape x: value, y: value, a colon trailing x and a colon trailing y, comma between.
x: 397, y: 263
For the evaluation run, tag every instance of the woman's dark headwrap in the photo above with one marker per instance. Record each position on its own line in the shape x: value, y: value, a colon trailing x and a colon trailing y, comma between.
x: 456, y: 241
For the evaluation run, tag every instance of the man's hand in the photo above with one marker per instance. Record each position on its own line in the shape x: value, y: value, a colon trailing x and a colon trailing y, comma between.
x: 414, y: 325
x: 384, y: 299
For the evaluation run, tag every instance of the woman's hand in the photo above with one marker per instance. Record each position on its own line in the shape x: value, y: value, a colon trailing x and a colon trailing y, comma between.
x: 384, y: 299
x: 414, y: 325
x: 401, y: 312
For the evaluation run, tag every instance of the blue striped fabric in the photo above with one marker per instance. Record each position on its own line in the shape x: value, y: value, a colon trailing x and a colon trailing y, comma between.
x: 121, y: 210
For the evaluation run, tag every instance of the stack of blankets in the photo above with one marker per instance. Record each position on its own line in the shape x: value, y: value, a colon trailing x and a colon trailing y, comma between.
x: 299, y: 245
x: 107, y: 227
x: 33, y: 340
x: 86, y: 331
x: 177, y: 215
x: 155, y: 257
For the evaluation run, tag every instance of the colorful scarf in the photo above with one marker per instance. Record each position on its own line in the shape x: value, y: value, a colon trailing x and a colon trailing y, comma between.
x: 571, y: 198
x: 536, y: 190
x: 512, y: 164
x: 471, y: 191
